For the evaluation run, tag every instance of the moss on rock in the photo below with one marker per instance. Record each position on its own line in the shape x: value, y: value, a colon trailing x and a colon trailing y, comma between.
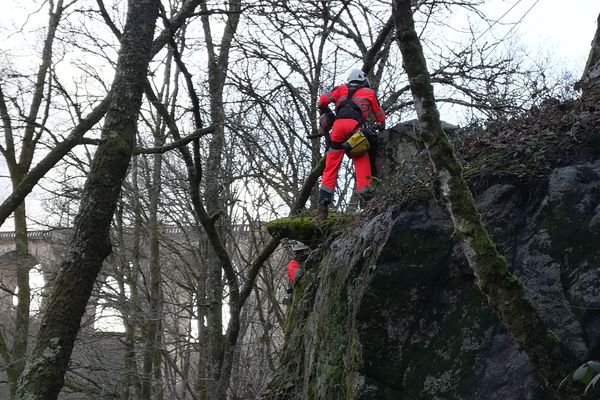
x: 306, y: 229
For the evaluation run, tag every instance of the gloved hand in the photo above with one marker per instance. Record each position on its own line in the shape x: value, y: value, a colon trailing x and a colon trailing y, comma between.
x: 324, y: 110
x: 381, y: 125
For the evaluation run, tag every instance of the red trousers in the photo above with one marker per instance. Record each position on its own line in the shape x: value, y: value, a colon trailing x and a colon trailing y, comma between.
x: 342, y: 128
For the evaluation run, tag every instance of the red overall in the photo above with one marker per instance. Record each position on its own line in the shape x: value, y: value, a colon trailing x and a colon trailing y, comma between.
x: 342, y: 128
x: 293, y: 266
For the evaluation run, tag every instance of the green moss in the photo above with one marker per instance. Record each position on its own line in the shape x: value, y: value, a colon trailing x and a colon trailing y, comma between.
x: 354, y: 360
x: 307, y: 229
x: 329, y: 333
x: 482, y: 164
x: 298, y: 228
x: 414, y: 247
x: 292, y: 317
x: 96, y: 179
x: 331, y: 326
x: 506, y: 164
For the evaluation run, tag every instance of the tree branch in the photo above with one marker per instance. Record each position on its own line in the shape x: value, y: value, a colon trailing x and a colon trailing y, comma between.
x: 49, y: 161
x: 61, y: 149
x: 197, y: 134
x: 370, y: 59
x: 271, y: 246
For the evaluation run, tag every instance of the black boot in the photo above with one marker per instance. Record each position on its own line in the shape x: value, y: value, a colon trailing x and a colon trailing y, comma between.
x: 365, y: 196
x: 322, y: 212
x: 325, y: 198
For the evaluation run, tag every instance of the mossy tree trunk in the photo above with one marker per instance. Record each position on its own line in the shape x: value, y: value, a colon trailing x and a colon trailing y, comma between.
x: 590, y: 81
x: 503, y: 291
x: 43, y: 376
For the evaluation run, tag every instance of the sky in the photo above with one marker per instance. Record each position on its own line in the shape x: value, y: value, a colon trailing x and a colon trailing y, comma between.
x: 563, y: 30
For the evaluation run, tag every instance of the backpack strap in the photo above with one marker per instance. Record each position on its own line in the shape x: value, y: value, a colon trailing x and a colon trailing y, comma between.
x: 351, y: 90
x: 348, y: 108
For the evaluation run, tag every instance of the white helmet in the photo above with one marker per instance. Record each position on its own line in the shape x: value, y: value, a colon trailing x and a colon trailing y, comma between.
x: 356, y: 75
x: 299, y: 246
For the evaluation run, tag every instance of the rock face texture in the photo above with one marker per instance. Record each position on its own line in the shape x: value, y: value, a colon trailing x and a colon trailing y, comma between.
x: 389, y: 310
x: 590, y: 81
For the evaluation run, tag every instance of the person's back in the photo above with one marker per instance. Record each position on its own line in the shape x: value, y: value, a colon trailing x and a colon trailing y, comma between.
x: 355, y: 103
x: 363, y: 97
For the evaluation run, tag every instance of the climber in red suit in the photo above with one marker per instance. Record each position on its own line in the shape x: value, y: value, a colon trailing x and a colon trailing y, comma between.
x: 301, y: 251
x: 292, y: 267
x: 355, y: 102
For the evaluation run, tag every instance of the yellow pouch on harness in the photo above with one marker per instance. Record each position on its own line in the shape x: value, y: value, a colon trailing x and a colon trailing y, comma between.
x: 356, y: 144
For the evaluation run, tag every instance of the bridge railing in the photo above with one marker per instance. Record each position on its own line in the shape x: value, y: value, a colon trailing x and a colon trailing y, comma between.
x: 49, y: 234
x: 31, y: 235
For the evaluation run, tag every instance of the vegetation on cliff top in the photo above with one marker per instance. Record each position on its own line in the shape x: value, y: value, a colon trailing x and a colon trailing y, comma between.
x: 531, y: 144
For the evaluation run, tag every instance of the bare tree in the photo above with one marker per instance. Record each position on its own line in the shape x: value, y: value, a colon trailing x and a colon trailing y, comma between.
x: 44, y: 374
x: 84, y: 124
x: 220, y: 351
x: 33, y: 125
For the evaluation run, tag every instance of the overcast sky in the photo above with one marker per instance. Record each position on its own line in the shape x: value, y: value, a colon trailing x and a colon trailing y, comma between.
x: 564, y: 28
x: 556, y: 27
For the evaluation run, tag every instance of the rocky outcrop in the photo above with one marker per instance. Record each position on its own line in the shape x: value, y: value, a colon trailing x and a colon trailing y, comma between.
x: 590, y: 81
x: 389, y: 309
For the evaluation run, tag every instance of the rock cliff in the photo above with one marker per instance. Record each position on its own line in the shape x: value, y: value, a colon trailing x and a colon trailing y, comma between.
x: 388, y: 309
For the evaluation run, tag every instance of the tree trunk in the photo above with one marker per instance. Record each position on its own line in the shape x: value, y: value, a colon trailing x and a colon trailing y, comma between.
x: 221, y: 351
x: 152, y: 351
x: 201, y: 385
x: 503, y: 291
x: 134, y: 270
x: 43, y: 376
x: 127, y: 273
x: 590, y: 81
x: 18, y: 167
x: 21, y: 333
x: 213, y: 201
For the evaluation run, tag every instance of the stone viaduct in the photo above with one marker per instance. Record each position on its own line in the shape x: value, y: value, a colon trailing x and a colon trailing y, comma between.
x: 47, y: 247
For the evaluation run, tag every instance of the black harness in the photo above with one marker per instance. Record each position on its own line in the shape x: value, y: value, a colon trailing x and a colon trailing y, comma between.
x: 348, y: 108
